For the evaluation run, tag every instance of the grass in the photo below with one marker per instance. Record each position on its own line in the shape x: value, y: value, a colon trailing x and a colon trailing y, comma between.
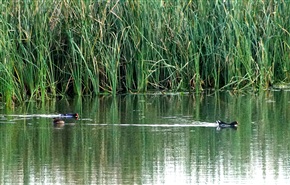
x: 92, y: 47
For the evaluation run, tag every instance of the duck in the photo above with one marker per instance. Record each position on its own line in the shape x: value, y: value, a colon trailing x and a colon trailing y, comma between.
x: 57, y: 122
x: 222, y: 124
x: 70, y: 115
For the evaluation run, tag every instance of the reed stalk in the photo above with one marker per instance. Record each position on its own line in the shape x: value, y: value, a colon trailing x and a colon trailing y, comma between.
x: 92, y: 47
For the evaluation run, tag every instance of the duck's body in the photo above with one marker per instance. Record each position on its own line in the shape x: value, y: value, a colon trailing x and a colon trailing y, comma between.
x: 222, y: 124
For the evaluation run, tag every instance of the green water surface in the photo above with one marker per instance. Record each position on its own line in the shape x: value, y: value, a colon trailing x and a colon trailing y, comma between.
x: 148, y: 139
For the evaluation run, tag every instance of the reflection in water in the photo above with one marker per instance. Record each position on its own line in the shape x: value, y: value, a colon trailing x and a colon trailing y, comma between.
x: 150, y: 139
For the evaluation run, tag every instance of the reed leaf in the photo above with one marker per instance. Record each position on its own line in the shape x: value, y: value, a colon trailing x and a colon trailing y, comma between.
x: 91, y: 47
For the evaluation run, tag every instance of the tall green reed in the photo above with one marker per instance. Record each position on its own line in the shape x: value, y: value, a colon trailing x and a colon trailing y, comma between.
x: 93, y: 47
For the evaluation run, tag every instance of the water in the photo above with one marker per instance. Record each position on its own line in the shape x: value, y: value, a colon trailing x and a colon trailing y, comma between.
x: 149, y: 139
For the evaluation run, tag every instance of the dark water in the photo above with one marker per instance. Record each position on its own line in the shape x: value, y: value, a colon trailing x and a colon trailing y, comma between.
x: 148, y: 139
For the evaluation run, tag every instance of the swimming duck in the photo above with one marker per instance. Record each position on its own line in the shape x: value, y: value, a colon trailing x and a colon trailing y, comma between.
x: 70, y: 115
x: 222, y: 124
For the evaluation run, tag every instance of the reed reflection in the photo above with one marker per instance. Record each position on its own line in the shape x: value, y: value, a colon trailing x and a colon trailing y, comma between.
x: 99, y: 149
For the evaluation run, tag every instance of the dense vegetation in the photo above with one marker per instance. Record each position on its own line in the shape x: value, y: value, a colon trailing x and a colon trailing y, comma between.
x: 51, y: 48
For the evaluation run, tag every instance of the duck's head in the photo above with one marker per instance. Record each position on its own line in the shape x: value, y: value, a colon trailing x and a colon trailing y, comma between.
x: 235, y: 123
x: 76, y: 115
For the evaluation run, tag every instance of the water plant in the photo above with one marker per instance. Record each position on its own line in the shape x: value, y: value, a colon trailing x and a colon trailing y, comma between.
x: 90, y: 47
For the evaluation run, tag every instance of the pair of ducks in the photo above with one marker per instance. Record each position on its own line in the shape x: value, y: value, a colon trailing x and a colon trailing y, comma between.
x: 59, y: 122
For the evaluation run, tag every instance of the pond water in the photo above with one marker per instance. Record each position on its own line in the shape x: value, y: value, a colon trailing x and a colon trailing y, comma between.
x: 149, y: 139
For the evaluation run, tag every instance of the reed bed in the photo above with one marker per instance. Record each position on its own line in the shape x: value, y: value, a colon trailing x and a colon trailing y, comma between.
x: 55, y: 48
